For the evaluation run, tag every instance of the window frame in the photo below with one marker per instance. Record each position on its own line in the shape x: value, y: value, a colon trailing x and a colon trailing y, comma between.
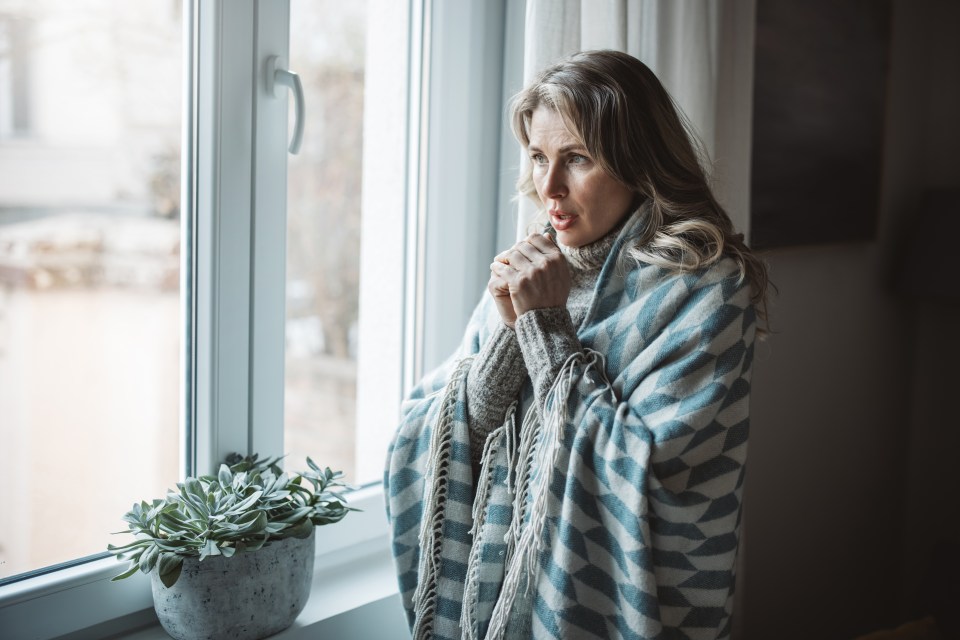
x: 15, y: 91
x: 233, y: 311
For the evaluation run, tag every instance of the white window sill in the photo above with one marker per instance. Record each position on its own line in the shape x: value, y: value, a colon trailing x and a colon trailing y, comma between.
x: 354, y: 589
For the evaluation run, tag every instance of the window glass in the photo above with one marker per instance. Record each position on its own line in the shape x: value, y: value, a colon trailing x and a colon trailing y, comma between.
x: 90, y: 126
x: 329, y: 49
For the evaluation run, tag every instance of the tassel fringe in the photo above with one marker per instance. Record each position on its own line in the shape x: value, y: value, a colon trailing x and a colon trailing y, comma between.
x: 468, y: 622
x: 540, y: 445
x: 532, y: 460
x: 431, y: 526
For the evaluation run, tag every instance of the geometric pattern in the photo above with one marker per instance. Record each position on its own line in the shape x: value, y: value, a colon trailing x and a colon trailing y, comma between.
x: 616, y: 514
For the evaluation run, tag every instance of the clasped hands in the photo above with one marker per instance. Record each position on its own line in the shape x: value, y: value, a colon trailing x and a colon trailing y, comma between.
x: 532, y: 274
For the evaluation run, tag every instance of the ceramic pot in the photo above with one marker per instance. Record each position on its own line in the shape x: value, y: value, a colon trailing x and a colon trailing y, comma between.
x: 249, y: 596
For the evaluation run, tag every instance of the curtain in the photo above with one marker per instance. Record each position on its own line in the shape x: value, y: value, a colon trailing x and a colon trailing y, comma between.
x: 702, y: 51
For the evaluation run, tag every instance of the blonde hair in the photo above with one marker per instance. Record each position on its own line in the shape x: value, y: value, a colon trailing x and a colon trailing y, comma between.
x: 631, y: 127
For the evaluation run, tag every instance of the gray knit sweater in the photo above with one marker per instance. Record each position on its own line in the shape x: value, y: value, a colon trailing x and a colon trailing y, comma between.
x: 537, y: 349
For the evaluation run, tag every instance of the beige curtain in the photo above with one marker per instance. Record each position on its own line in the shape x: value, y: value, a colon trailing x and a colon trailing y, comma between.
x: 702, y: 51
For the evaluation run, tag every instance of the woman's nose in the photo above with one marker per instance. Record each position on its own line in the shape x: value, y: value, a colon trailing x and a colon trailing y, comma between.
x: 554, y: 185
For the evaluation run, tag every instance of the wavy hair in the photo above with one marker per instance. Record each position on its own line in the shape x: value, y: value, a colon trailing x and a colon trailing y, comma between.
x: 628, y: 122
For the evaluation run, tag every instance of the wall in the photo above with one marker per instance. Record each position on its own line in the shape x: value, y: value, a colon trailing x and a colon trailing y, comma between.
x: 841, y: 494
x: 931, y: 532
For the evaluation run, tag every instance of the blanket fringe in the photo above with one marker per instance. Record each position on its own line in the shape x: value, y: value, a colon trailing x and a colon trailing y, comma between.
x: 431, y: 525
x: 539, y: 443
x: 468, y: 622
x: 521, y: 463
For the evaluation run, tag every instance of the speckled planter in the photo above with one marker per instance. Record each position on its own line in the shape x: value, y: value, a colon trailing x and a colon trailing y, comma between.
x: 249, y: 596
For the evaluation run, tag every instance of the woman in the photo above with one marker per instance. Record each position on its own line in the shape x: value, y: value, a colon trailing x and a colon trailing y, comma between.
x: 575, y: 470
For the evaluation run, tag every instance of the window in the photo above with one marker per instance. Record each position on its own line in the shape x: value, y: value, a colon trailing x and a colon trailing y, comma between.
x: 251, y: 314
x: 325, y: 196
x: 89, y: 270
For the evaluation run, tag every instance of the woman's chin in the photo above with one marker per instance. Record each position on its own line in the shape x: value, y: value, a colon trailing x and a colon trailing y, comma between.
x: 570, y: 239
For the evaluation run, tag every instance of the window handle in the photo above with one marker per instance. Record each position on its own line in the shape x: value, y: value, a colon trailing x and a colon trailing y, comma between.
x: 277, y: 78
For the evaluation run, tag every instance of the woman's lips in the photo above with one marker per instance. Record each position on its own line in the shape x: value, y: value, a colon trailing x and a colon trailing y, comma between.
x: 561, y: 220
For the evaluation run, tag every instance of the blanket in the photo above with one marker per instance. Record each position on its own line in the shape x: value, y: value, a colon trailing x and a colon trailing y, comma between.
x: 612, y: 513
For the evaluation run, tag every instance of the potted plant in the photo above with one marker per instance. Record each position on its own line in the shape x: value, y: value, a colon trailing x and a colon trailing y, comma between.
x: 231, y: 555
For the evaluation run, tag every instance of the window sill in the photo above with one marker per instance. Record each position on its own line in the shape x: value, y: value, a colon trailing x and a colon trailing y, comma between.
x: 354, y: 587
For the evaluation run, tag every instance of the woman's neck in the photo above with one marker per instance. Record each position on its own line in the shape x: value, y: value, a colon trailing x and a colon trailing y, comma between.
x: 590, y: 257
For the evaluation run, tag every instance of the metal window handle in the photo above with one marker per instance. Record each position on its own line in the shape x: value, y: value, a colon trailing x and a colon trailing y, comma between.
x: 277, y: 78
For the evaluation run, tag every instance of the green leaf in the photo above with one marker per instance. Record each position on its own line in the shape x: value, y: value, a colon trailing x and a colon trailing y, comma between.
x: 256, y: 543
x: 177, y: 523
x: 173, y: 545
x: 168, y: 562
x: 194, y: 488
x: 275, y: 527
x: 300, y: 530
x: 194, y: 504
x: 280, y: 483
x: 209, y: 549
x: 253, y: 525
x: 295, y: 516
x: 112, y: 548
x: 246, y: 503
x: 172, y: 575
x: 149, y: 558
x: 126, y: 574
x: 224, y: 476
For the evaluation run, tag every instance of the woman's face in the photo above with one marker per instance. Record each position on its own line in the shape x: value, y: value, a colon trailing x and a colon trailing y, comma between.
x: 584, y: 202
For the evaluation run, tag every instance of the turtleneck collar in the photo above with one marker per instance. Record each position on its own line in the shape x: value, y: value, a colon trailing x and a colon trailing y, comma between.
x: 590, y: 257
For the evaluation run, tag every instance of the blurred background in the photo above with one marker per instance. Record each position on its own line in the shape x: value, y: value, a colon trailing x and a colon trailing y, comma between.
x: 90, y: 317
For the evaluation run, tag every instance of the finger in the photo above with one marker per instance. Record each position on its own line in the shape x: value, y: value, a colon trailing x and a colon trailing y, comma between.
x: 497, y: 281
x: 498, y: 287
x: 507, y: 273
x: 544, y: 243
x: 533, y: 254
x: 501, y: 270
x: 518, y: 257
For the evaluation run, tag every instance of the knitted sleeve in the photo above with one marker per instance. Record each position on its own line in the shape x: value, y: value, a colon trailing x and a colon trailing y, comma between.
x: 546, y: 339
x: 493, y: 382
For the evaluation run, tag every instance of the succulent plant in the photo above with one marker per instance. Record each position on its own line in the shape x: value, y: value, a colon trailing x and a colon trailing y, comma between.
x: 246, y: 505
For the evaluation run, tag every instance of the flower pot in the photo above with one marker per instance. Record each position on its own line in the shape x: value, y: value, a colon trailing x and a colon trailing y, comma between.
x: 251, y: 595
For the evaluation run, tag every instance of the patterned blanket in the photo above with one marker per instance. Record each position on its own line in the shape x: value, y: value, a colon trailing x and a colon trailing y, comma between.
x: 616, y: 513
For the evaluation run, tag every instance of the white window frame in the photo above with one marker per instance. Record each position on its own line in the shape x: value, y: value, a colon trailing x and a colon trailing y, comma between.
x: 237, y: 242
x: 15, y: 94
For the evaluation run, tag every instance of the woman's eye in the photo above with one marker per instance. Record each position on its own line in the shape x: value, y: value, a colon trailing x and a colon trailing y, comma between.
x: 577, y: 159
x: 539, y: 158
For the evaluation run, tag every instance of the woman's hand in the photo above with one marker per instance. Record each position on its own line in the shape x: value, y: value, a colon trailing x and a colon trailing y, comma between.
x: 533, y: 274
x: 500, y: 291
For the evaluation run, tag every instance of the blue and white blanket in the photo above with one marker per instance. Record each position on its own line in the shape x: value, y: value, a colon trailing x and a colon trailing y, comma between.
x: 613, y: 515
